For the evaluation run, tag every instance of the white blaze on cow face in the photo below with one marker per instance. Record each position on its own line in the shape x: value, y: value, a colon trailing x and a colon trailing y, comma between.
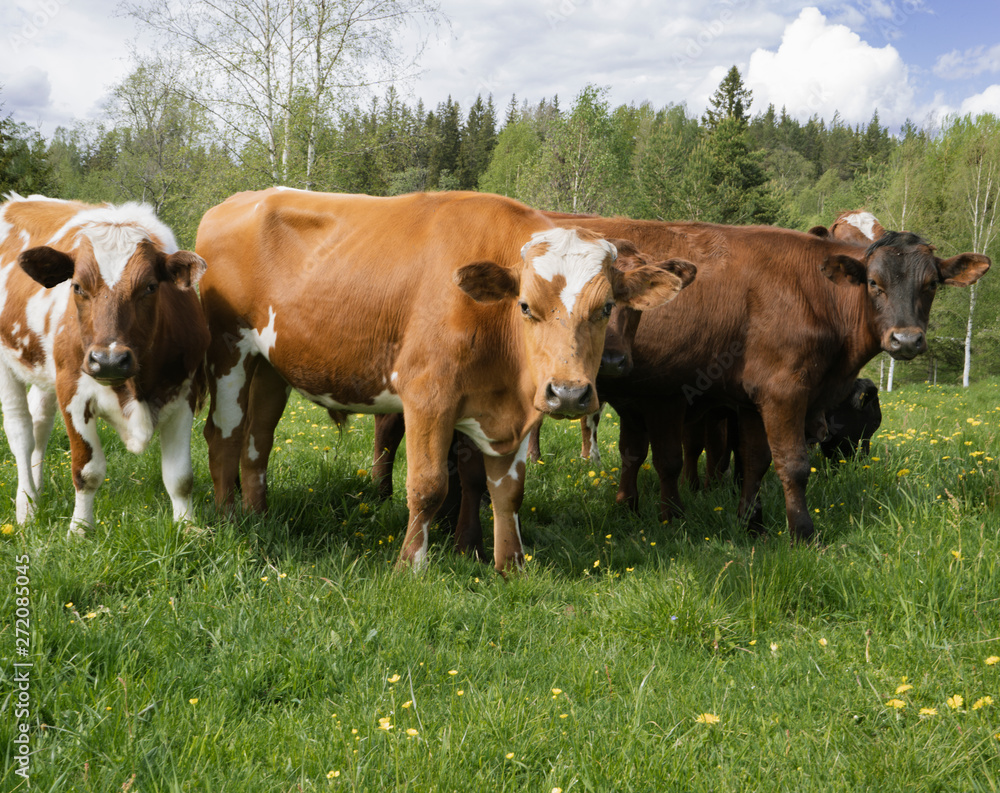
x: 863, y: 222
x: 576, y: 260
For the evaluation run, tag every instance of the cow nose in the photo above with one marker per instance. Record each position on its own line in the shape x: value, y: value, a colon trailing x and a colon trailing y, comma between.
x: 906, y: 344
x: 109, y: 364
x: 568, y: 399
x: 614, y: 363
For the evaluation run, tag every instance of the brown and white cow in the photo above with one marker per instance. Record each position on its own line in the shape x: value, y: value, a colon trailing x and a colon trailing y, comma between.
x: 98, y: 314
x: 777, y: 323
x: 462, y: 310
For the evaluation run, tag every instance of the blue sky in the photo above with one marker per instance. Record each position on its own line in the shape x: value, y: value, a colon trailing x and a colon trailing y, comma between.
x: 917, y: 59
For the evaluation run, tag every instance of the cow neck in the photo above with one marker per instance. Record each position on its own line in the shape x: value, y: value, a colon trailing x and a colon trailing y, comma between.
x: 861, y: 340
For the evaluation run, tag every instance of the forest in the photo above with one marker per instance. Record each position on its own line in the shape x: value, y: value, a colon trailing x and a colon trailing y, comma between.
x: 161, y: 143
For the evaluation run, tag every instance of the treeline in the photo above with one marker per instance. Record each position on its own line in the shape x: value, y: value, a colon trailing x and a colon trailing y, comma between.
x: 160, y: 146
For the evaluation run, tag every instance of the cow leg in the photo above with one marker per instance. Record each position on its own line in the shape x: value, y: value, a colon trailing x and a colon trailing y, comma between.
x: 472, y: 476
x: 17, y: 425
x: 389, y: 429
x: 429, y: 437
x: 755, y: 457
x: 534, y: 443
x: 633, y: 445
x: 175, y: 459
x: 265, y: 404
x: 666, y: 429
x: 42, y: 403
x: 716, y: 450
x: 693, y: 443
x: 88, y: 463
x: 505, y: 477
x: 785, y: 426
x: 230, y: 364
x: 589, y: 448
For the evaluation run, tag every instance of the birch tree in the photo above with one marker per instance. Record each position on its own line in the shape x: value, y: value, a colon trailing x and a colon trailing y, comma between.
x: 268, y: 70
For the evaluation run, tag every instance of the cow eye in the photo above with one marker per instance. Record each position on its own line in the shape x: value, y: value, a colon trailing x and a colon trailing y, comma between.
x: 152, y: 287
x: 872, y: 284
x: 78, y: 290
x: 608, y: 308
x: 525, y: 309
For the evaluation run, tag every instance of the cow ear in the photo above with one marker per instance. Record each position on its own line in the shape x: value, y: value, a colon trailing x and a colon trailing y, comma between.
x: 964, y: 269
x: 47, y: 265
x: 651, y: 285
x: 840, y: 268
x: 184, y: 268
x: 487, y: 282
x: 820, y: 231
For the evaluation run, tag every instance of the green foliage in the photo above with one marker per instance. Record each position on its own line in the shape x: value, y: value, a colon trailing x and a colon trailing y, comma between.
x: 730, y: 102
x: 283, y: 652
x: 24, y: 167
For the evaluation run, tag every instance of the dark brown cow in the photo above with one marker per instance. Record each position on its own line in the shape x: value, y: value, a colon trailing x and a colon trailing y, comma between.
x: 99, y: 314
x: 777, y: 323
x: 463, y: 311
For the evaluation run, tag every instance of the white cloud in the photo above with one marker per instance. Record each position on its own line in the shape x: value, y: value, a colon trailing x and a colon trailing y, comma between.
x: 821, y: 68
x: 986, y: 102
x: 957, y: 65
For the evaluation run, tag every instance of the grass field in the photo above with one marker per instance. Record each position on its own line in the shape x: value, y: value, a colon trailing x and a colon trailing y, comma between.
x: 285, y: 654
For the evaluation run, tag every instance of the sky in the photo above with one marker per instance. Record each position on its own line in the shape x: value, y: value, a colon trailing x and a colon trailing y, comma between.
x: 909, y: 59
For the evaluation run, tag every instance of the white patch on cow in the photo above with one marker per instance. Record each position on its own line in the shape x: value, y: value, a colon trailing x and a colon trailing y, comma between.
x: 266, y: 339
x: 579, y: 262
x: 517, y: 531
x: 114, y: 232
x: 393, y: 377
x: 252, y: 452
x: 226, y: 411
x: 593, y: 453
x: 134, y: 424
x: 25, y: 240
x: 420, y: 556
x: 42, y: 403
x: 384, y: 402
x: 472, y: 428
x: 520, y: 458
x: 20, y: 437
x: 863, y: 222
x: 175, y: 453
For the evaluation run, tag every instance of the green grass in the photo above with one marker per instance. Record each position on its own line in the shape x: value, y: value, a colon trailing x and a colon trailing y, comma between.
x: 261, y: 654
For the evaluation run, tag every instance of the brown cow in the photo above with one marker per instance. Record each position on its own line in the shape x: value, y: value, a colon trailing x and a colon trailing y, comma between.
x: 777, y: 323
x: 97, y: 313
x: 462, y: 310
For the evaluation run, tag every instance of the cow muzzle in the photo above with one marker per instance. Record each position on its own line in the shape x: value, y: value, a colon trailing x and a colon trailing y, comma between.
x: 107, y: 365
x: 904, y: 344
x: 565, y: 400
x: 614, y: 363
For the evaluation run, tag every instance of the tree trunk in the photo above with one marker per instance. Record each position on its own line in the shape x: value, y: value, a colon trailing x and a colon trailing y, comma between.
x: 892, y: 368
x: 968, y: 338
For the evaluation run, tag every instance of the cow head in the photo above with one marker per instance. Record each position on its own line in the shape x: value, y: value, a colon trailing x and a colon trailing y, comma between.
x: 116, y: 272
x: 563, y: 295
x: 616, y: 359
x: 901, y: 275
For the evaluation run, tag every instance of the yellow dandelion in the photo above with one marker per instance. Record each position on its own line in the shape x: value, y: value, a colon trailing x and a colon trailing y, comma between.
x: 263, y: 578
x: 408, y: 703
x: 385, y: 723
x: 7, y: 528
x: 591, y: 473
x: 509, y: 755
x: 597, y: 563
x: 902, y: 472
x: 928, y: 712
x: 993, y: 660
x: 70, y: 605
x: 718, y: 509
x: 956, y: 702
x: 193, y: 700
x: 898, y: 704
x: 362, y: 472
x: 982, y: 702
x: 556, y: 692
x: 413, y: 733
x: 957, y: 555
x: 903, y: 688
x: 332, y: 774
x: 823, y: 642
x: 394, y: 679
x: 452, y: 671
x: 562, y: 715
x: 460, y: 693
x: 90, y: 615
x: 707, y: 718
